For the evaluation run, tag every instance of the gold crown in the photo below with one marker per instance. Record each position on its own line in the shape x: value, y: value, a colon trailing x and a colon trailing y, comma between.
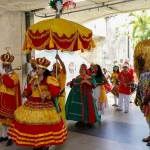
x: 32, y: 61
x: 7, y: 58
x: 42, y: 62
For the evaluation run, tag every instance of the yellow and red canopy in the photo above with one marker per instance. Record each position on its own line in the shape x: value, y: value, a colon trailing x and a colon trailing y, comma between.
x: 58, y: 34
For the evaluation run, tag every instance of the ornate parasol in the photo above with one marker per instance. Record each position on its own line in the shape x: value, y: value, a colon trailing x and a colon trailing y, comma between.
x: 58, y: 34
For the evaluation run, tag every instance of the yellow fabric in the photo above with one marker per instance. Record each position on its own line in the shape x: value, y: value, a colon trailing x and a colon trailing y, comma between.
x: 148, y: 117
x: 44, y: 88
x: 52, y: 80
x: 10, y: 91
x: 36, y: 115
x: 142, y: 49
x: 61, y: 102
x: 102, y: 96
x: 61, y: 98
x: 6, y: 121
x: 114, y: 76
x: 36, y: 92
x: 59, y: 26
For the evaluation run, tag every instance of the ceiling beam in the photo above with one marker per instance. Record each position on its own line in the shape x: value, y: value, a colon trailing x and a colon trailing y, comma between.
x: 89, y: 8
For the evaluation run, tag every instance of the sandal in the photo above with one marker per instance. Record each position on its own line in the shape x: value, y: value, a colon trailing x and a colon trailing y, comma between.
x: 146, y: 139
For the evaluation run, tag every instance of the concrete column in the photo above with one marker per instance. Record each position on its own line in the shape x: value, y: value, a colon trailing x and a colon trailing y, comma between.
x: 12, y: 25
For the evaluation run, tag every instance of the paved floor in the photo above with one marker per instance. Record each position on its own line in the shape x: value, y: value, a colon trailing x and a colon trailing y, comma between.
x: 117, y: 131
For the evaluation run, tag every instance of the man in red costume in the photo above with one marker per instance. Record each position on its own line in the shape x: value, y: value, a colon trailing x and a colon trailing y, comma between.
x: 125, y: 79
x: 10, y: 97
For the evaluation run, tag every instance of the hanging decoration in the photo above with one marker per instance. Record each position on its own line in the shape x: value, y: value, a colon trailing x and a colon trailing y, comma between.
x: 59, y: 6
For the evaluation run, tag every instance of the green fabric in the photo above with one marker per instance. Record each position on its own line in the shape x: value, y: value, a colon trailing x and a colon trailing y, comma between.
x: 55, y: 100
x: 74, y: 103
x: 99, y: 80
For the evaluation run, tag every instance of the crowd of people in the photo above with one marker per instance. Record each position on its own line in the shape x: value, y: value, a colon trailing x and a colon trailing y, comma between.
x: 41, y: 121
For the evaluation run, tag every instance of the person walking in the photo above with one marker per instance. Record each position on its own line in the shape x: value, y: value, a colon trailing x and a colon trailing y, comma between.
x: 61, y: 77
x: 80, y: 105
x: 10, y: 95
x: 125, y: 80
x: 99, y: 92
x: 37, y: 122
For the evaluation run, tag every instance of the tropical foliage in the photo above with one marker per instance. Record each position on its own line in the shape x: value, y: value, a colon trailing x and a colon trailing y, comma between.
x: 140, y: 23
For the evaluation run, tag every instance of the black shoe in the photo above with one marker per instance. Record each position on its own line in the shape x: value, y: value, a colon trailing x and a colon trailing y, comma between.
x: 80, y: 124
x: 89, y: 124
x: 3, y: 139
x: 42, y: 148
x: 45, y: 148
x: 9, y: 142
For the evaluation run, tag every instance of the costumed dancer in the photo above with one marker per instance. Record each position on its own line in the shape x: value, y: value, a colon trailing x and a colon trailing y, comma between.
x: 10, y: 95
x: 61, y: 75
x: 115, y: 90
x: 90, y: 70
x: 142, y: 70
x: 125, y: 81
x: 80, y: 105
x: 108, y: 86
x: 99, y: 92
x: 37, y: 122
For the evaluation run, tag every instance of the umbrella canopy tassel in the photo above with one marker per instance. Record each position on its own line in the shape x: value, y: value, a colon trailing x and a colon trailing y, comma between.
x: 80, y: 46
x: 93, y: 43
x: 51, y: 43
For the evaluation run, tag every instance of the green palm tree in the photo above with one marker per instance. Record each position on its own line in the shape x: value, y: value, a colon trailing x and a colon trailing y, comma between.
x: 140, y: 26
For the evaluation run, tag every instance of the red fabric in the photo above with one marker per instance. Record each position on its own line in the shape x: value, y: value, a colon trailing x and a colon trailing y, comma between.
x: 125, y: 78
x: 85, y: 40
x: 89, y: 72
x: 70, y: 43
x: 54, y: 90
x: 28, y: 90
x: 7, y: 105
x: 91, y: 110
x: 18, y: 90
x: 146, y: 110
x: 131, y: 71
x: 63, y: 41
x: 36, y: 41
x: 8, y: 82
x: 108, y: 87
x: 35, y: 131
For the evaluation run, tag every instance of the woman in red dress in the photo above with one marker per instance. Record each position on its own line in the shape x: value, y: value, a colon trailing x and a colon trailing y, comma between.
x: 37, y: 123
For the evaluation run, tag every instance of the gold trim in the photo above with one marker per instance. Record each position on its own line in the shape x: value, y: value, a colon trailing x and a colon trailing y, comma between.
x: 38, y: 135
x: 41, y: 66
x: 38, y: 37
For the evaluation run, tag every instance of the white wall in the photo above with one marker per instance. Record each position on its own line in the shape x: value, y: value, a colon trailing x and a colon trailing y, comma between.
x: 12, y: 32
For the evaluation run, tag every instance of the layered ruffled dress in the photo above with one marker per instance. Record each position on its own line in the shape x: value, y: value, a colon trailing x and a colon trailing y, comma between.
x: 37, y: 123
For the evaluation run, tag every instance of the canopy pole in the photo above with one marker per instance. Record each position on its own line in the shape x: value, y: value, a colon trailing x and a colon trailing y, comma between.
x: 56, y: 65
